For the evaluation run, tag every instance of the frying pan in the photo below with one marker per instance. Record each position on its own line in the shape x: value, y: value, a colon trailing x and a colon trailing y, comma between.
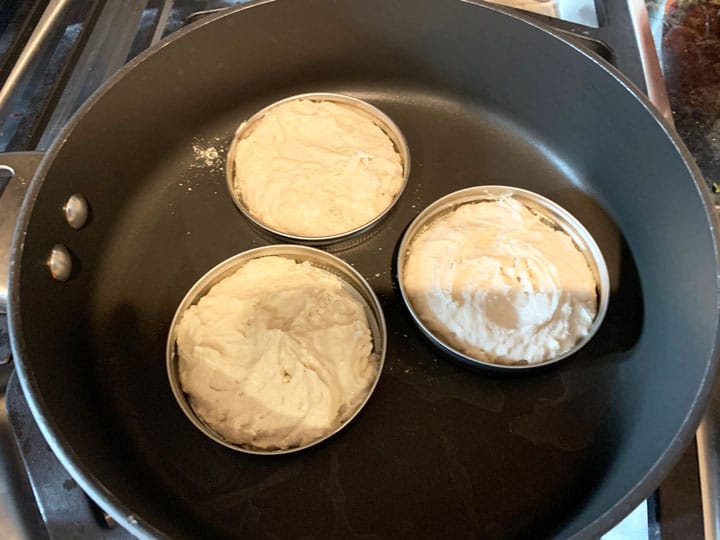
x: 483, y: 97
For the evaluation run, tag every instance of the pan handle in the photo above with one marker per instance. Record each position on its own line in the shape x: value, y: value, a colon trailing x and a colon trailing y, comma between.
x: 20, y: 167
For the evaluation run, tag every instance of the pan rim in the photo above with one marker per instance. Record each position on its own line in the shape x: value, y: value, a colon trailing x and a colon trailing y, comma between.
x: 138, y: 526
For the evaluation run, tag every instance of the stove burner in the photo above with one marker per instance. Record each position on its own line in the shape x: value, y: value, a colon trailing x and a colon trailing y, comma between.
x: 65, y: 509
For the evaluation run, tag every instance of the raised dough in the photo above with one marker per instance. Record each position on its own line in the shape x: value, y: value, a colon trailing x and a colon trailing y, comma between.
x: 276, y: 355
x: 496, y: 282
x: 316, y: 168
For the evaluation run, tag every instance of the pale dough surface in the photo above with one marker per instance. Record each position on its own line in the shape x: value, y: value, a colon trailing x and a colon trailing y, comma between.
x: 498, y: 283
x: 276, y: 355
x: 315, y: 169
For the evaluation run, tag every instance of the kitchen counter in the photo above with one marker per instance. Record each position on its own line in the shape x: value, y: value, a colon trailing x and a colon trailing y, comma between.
x: 689, y: 51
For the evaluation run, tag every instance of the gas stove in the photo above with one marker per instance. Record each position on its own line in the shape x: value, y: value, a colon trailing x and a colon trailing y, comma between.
x: 55, y: 53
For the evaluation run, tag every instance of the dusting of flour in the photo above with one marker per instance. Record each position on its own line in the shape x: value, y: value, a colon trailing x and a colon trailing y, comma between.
x: 207, y: 155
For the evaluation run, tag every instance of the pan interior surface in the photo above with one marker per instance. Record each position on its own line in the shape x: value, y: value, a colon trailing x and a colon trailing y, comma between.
x: 439, y: 451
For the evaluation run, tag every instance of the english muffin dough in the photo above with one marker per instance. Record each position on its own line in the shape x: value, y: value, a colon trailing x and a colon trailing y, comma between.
x: 276, y: 355
x: 495, y: 281
x: 316, y: 168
